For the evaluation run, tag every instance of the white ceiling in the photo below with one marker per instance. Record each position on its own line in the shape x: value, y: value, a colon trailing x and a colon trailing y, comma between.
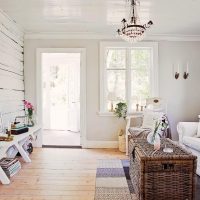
x: 181, y: 17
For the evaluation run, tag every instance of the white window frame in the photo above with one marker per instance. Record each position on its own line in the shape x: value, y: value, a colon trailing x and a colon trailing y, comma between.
x: 154, y: 68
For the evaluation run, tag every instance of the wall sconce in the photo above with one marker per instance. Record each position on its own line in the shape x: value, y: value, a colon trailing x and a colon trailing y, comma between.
x: 177, y: 73
x: 186, y: 73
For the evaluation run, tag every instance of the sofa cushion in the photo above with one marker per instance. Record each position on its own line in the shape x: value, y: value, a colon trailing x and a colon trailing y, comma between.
x: 192, y: 142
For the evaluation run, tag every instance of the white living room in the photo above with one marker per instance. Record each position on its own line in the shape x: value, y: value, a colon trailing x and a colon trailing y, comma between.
x: 99, y: 100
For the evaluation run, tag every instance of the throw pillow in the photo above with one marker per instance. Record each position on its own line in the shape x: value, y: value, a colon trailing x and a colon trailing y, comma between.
x: 150, y: 119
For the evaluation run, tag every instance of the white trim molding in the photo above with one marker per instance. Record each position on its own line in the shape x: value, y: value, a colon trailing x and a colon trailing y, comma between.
x: 173, y: 38
x: 67, y: 35
x: 104, y: 45
x: 39, y: 52
x: 100, y: 36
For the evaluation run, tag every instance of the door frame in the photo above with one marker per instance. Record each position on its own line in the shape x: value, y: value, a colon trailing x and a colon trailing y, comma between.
x: 39, y: 99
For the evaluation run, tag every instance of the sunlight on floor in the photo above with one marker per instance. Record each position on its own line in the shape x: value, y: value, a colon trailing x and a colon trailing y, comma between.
x: 56, y: 137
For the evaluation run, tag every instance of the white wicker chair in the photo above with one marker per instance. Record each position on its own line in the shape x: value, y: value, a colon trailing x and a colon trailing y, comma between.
x: 155, y: 104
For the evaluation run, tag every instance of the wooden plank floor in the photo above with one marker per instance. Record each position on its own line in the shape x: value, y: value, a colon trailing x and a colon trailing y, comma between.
x: 57, y: 174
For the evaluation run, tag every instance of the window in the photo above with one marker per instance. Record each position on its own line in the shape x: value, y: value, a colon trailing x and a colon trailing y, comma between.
x: 128, y: 73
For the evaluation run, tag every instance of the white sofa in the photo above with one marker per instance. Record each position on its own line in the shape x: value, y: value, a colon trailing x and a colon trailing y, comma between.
x: 188, y: 138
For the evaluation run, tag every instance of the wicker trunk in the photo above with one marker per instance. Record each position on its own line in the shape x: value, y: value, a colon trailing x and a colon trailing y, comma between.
x: 159, y: 175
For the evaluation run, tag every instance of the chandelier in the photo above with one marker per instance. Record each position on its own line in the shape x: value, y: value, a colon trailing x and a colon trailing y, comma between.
x: 133, y: 31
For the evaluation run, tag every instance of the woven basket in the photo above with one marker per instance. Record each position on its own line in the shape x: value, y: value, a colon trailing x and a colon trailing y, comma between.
x: 162, y: 176
x: 122, y: 141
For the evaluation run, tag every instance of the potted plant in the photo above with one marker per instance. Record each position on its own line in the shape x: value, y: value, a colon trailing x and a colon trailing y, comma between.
x: 29, y: 108
x: 121, y: 111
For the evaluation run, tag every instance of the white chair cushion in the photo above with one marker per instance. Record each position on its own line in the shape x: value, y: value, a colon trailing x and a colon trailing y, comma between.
x: 150, y: 119
x: 198, y: 130
x: 192, y: 142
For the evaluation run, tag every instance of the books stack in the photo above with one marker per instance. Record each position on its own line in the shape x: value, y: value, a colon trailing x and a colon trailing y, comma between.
x: 19, y: 130
x: 11, y: 166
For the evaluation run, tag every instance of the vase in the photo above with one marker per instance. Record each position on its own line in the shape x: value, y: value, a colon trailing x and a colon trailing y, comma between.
x: 154, y: 140
x: 30, y: 121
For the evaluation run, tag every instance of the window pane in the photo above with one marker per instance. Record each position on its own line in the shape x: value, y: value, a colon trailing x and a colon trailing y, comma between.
x: 116, y: 58
x: 140, y: 77
x: 140, y: 58
x: 115, y: 87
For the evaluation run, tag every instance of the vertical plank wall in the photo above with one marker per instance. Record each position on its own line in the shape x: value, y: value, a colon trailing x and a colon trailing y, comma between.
x: 11, y: 69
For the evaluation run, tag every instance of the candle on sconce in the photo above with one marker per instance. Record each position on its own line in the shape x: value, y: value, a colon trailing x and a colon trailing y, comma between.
x: 186, y: 72
x: 187, y: 68
x: 178, y: 69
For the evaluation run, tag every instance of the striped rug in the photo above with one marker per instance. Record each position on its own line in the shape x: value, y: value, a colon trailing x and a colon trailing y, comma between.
x: 111, y: 182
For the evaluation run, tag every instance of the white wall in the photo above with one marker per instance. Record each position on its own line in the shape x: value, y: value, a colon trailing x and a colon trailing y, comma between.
x: 11, y: 69
x: 98, y: 128
x: 182, y: 95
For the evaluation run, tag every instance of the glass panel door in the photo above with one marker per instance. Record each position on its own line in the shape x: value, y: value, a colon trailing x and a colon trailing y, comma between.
x: 61, y: 93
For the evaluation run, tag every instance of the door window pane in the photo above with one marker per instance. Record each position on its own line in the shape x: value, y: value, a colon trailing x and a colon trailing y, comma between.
x: 61, y: 91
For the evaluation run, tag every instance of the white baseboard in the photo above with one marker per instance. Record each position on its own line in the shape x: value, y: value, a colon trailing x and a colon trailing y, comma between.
x: 100, y: 144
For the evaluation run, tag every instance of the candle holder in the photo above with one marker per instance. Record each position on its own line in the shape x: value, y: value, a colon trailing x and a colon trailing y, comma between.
x: 137, y: 107
x: 185, y: 75
x: 177, y: 75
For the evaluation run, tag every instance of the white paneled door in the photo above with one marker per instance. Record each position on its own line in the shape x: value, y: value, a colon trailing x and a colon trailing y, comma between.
x: 61, y: 91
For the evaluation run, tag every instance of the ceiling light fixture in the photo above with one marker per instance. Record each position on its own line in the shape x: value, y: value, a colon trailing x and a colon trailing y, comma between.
x: 133, y: 31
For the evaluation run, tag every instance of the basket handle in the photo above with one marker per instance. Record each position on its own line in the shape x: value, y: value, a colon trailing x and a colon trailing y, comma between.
x: 167, y: 166
x: 133, y: 153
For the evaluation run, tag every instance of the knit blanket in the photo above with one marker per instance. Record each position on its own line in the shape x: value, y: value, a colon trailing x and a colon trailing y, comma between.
x: 140, y: 132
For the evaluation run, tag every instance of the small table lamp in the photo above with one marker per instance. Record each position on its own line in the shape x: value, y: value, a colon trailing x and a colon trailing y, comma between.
x: 112, y: 97
x: 155, y: 104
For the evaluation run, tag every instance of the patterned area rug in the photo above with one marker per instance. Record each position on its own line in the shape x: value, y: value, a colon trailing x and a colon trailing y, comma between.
x: 113, y: 181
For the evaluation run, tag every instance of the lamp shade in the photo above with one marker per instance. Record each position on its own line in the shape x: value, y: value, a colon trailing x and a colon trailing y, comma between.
x: 155, y: 101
